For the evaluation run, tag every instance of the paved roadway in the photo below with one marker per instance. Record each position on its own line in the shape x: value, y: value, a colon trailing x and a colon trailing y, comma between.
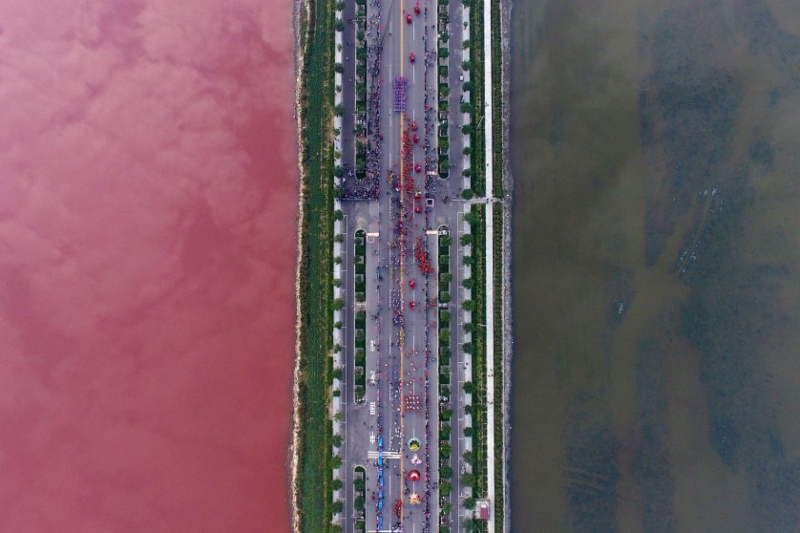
x: 388, y: 413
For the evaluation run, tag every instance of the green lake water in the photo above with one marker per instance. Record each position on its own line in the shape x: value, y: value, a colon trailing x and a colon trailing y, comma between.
x: 656, y: 159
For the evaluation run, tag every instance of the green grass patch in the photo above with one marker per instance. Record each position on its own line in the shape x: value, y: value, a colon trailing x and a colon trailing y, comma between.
x: 315, y: 270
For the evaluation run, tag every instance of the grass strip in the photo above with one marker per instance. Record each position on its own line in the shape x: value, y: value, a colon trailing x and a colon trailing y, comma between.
x: 499, y: 414
x: 497, y: 102
x: 315, y: 270
x: 478, y: 229
x: 477, y: 97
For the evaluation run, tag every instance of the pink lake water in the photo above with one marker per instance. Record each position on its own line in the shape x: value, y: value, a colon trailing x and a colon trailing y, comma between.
x: 148, y: 193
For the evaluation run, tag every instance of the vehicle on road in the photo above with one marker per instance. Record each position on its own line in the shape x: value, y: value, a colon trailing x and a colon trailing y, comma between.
x: 416, y: 8
x: 418, y: 168
x: 412, y: 57
x: 413, y: 125
x: 415, y: 138
x: 408, y: 18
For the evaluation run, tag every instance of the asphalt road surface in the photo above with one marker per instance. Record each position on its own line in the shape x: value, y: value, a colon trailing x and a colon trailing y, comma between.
x: 401, y: 405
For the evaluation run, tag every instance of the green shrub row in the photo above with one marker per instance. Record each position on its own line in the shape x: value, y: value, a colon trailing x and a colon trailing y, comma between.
x: 359, y: 354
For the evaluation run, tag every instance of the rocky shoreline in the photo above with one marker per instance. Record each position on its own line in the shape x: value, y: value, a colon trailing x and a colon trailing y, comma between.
x: 294, y: 451
x: 508, y: 184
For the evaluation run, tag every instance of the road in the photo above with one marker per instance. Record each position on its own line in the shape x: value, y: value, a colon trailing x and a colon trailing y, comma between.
x: 402, y: 212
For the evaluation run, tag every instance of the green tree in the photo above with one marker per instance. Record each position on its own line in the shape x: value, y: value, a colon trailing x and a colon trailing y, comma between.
x: 339, y: 237
x: 444, y: 489
x: 446, y: 472
x: 469, y: 387
x: 469, y: 457
x: 467, y: 194
x: 337, y: 484
x: 337, y: 441
x: 337, y: 507
x: 338, y: 373
x: 444, y: 451
x: 338, y: 303
x: 468, y: 305
x: 336, y: 462
x: 338, y: 215
x: 469, y: 503
x: 468, y: 431
x: 468, y: 479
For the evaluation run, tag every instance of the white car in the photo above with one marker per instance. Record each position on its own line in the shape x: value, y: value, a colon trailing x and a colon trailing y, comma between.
x: 461, y: 77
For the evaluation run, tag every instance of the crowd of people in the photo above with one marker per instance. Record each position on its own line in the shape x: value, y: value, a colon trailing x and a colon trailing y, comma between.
x: 391, y: 377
